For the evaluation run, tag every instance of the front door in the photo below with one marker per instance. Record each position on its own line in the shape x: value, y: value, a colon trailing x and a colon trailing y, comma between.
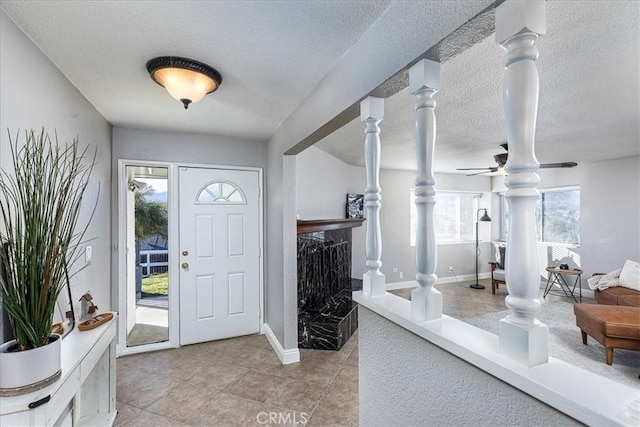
x: 219, y: 254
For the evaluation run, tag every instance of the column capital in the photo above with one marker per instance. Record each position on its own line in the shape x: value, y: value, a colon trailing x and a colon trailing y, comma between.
x: 515, y: 17
x: 425, y: 74
x: 371, y: 108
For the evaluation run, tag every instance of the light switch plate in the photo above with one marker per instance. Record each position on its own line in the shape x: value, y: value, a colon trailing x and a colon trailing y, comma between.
x: 88, y: 254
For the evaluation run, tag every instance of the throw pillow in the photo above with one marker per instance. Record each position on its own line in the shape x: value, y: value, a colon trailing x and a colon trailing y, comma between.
x: 630, y: 275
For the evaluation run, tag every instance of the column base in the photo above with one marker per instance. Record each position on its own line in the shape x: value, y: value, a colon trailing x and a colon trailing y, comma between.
x: 528, y: 345
x: 373, y: 284
x: 426, y: 304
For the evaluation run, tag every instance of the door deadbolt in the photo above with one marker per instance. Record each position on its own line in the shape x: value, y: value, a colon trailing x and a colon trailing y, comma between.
x: 185, y: 253
x: 185, y: 265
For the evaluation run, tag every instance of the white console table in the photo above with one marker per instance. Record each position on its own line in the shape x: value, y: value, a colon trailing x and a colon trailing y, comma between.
x: 85, y: 394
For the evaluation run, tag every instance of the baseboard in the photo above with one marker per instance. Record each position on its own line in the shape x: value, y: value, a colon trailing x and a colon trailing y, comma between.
x: 286, y: 357
x: 462, y: 278
x: 588, y: 293
x: 400, y: 285
x: 440, y: 281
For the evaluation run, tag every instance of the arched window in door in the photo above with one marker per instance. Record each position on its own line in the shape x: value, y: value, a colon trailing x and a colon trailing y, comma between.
x: 221, y: 193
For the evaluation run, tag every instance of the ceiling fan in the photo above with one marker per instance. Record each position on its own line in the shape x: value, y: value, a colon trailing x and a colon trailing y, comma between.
x: 501, y: 160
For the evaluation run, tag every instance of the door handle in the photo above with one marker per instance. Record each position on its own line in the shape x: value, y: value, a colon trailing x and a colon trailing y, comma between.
x: 185, y: 253
x: 185, y: 265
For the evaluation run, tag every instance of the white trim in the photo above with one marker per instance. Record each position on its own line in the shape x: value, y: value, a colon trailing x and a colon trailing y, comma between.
x: 560, y: 188
x: 462, y: 278
x: 401, y: 285
x: 286, y: 357
x: 441, y: 281
x: 121, y: 257
x: 174, y: 295
x: 261, y: 248
x: 174, y: 259
x: 560, y: 385
x: 588, y: 293
x: 144, y: 348
x: 174, y: 249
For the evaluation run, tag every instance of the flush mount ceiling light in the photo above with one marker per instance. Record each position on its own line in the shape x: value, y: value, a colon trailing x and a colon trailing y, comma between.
x: 185, y: 79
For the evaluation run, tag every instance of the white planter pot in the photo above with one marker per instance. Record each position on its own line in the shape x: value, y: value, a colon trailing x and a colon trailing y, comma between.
x: 26, y: 371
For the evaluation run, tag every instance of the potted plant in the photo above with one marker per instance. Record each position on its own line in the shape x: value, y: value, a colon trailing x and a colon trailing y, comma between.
x: 40, y: 203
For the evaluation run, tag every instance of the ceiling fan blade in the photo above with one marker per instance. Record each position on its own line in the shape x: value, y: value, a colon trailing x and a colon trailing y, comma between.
x: 558, y: 165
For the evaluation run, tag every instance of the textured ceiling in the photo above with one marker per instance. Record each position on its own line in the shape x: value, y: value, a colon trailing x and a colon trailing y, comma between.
x: 589, y: 97
x: 271, y: 54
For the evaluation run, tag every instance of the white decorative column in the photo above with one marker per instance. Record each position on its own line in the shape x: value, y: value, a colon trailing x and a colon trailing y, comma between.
x: 518, y: 26
x: 372, y: 113
x: 424, y: 82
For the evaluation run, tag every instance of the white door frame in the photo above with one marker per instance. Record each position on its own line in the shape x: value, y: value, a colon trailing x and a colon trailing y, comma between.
x: 174, y: 295
x: 174, y: 249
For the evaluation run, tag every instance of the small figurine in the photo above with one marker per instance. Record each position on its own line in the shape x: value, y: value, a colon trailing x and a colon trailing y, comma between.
x: 87, y: 307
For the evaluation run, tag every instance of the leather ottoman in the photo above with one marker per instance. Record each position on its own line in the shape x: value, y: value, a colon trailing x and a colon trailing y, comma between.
x: 612, y: 326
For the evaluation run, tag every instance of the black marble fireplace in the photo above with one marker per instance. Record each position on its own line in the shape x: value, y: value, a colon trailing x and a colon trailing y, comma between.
x: 327, y: 316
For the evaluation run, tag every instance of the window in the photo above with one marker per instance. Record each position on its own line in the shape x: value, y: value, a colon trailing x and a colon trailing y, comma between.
x: 453, y: 216
x: 557, y: 216
x: 221, y: 192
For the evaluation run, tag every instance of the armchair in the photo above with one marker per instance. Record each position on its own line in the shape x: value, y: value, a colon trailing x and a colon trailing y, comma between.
x: 497, y: 268
x: 497, y: 276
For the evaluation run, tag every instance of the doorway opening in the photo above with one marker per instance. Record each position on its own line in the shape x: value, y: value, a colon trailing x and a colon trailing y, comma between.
x: 147, y: 256
x: 189, y: 254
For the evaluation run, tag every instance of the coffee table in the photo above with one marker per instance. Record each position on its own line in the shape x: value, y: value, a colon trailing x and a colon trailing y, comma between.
x: 557, y: 277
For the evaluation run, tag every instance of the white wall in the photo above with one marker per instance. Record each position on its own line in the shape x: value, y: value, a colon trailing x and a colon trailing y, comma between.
x: 397, y: 251
x: 177, y: 147
x: 322, y: 181
x: 143, y: 144
x: 389, y: 45
x: 322, y: 184
x: 407, y: 381
x: 36, y: 94
x: 609, y: 214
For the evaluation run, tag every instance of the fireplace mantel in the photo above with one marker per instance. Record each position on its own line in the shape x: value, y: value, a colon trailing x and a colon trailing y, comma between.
x: 315, y: 225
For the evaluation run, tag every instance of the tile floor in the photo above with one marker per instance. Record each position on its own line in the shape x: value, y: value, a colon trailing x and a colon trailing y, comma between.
x: 237, y: 382
x: 240, y: 382
x: 460, y: 301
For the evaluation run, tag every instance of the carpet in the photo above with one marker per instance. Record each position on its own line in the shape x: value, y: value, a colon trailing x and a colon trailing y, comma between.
x: 565, y: 343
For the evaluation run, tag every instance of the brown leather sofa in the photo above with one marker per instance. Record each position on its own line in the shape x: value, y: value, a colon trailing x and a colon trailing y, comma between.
x: 618, y: 295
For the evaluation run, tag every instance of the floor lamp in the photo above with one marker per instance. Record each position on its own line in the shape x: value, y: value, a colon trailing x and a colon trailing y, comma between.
x: 484, y: 218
